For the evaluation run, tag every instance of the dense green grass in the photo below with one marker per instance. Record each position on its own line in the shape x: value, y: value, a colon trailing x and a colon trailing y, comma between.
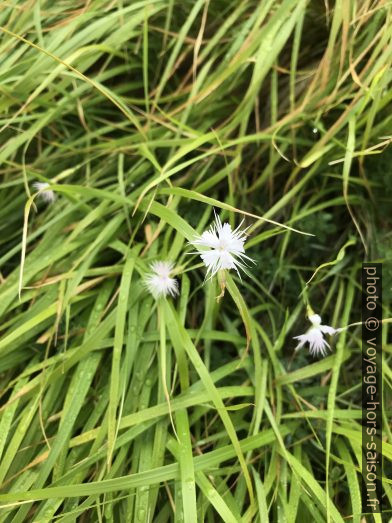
x: 145, y: 116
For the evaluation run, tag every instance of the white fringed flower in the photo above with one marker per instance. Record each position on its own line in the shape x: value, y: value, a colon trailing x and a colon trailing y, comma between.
x: 315, y: 336
x: 225, y: 247
x: 46, y: 194
x: 159, y: 282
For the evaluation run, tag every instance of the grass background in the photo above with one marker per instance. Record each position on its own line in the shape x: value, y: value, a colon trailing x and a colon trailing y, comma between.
x: 144, y: 116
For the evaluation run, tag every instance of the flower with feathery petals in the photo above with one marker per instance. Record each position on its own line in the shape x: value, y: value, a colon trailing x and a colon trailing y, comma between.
x: 315, y: 336
x: 225, y: 247
x: 46, y: 194
x: 159, y: 282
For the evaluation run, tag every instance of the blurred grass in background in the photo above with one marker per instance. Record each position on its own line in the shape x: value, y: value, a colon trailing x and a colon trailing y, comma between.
x: 144, y: 116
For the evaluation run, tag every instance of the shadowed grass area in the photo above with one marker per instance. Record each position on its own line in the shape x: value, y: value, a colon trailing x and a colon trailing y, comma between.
x: 145, y: 117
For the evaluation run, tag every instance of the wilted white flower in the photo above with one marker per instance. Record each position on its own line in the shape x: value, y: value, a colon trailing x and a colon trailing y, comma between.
x: 315, y: 336
x: 47, y: 195
x: 159, y: 282
x: 225, y: 247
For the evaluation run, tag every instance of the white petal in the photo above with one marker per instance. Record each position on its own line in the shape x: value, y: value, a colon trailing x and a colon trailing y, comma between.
x: 225, y: 233
x: 40, y: 185
x: 317, y: 344
x: 327, y: 329
x: 315, y: 336
x: 302, y: 340
x: 162, y: 268
x: 315, y: 319
x: 211, y: 260
x: 232, y: 240
x: 159, y: 283
x: 226, y: 260
x: 46, y: 194
x: 225, y: 247
x: 208, y: 239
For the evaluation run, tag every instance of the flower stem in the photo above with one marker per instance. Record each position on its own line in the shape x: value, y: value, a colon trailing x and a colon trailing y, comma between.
x: 222, y: 284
